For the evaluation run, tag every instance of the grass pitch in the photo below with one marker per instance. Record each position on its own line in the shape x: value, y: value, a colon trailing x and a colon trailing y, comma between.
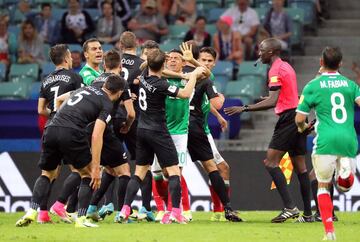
x: 256, y: 228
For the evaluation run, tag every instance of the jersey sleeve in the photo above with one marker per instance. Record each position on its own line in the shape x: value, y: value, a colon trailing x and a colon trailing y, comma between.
x: 126, y: 95
x: 275, y: 80
x: 210, y: 90
x: 42, y: 92
x: 105, y: 114
x: 305, y: 101
x: 356, y: 91
x: 167, y: 89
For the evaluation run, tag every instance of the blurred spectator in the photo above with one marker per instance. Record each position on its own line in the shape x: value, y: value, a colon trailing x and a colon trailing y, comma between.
x: 183, y: 12
x: 228, y: 44
x: 30, y: 49
x: 89, y: 3
x: 46, y: 25
x: 356, y: 70
x: 198, y: 33
x: 148, y: 24
x: 246, y: 21
x: 278, y: 23
x: 109, y: 27
x: 322, y: 10
x: 76, y: 24
x: 22, y: 11
x: 7, y: 42
x: 76, y: 61
x: 122, y: 9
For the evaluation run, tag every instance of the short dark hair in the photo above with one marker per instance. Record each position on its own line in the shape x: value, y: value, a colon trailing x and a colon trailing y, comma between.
x: 274, y: 45
x: 44, y: 5
x: 57, y: 53
x: 86, y: 43
x: 156, y: 59
x: 149, y: 44
x: 201, y: 18
x: 176, y: 51
x: 128, y: 40
x: 332, y: 57
x: 114, y: 83
x: 112, y: 59
x: 209, y: 50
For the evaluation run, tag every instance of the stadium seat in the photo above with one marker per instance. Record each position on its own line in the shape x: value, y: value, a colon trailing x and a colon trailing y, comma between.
x: 263, y: 3
x: 58, y: 3
x: 247, y: 68
x: 94, y: 13
x: 57, y: 13
x: 211, y: 29
x: 35, y: 90
x: 107, y: 47
x: 75, y: 47
x: 47, y: 51
x: 24, y: 72
x: 15, y: 29
x: 46, y: 69
x: 223, y: 68
x: 203, y: 6
x: 170, y: 44
x: 229, y: 3
x: 2, y: 72
x: 177, y: 31
x: 214, y: 14
x: 14, y: 90
x: 297, y: 16
x: 221, y: 82
x: 255, y: 85
x: 309, y: 10
x: 261, y: 13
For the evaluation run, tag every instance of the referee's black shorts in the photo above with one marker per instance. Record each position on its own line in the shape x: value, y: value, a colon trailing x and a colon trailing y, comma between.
x: 286, y: 136
x: 198, y: 143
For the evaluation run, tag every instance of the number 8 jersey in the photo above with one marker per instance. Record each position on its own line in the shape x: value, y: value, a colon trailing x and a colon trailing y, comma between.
x: 332, y: 96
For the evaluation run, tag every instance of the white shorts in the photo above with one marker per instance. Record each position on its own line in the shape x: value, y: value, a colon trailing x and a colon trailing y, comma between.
x: 180, y: 141
x: 326, y: 165
x: 217, y: 157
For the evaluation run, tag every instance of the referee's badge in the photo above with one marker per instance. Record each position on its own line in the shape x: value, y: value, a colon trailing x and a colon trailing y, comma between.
x: 274, y: 79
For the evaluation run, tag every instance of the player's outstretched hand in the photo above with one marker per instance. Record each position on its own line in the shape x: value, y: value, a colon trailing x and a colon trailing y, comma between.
x: 200, y: 72
x: 95, y: 177
x: 234, y: 110
x: 304, y: 128
x: 187, y: 52
x: 223, y: 123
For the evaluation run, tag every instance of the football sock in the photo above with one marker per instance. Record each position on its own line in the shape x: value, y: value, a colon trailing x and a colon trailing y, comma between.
x: 175, y: 190
x: 44, y: 201
x: 332, y: 196
x: 108, y: 197
x: 106, y: 180
x: 72, y: 201
x: 219, y: 187
x: 41, y: 189
x: 85, y: 193
x: 280, y: 182
x: 326, y: 207
x: 123, y: 182
x: 314, y: 188
x: 132, y: 189
x: 217, y: 205
x: 305, y: 192
x: 185, y: 202
x: 70, y: 184
x: 159, y: 201
x: 146, y: 186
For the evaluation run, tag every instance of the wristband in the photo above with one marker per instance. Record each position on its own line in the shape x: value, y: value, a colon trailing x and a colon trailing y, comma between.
x: 246, y: 108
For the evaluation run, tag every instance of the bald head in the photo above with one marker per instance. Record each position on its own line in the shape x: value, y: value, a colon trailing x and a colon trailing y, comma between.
x: 272, y: 44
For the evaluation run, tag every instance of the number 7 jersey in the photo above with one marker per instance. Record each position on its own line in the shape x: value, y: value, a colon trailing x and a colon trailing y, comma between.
x: 332, y: 96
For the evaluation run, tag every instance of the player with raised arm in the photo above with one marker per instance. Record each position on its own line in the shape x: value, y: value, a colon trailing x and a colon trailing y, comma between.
x: 332, y: 96
x: 65, y: 138
x: 283, y: 95
x: 153, y: 137
x: 93, y: 54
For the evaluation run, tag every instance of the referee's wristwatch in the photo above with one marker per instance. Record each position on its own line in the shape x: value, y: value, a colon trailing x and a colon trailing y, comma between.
x: 246, y: 108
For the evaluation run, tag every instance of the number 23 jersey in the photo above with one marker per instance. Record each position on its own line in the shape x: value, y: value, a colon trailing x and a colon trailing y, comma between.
x: 332, y: 96
x: 152, y: 94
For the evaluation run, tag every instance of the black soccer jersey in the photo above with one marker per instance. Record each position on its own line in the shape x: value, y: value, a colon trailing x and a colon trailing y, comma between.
x: 84, y: 106
x: 57, y: 83
x: 152, y: 94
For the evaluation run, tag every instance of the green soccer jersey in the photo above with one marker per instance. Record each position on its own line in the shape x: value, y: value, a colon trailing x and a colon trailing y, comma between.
x: 89, y: 74
x: 332, y: 96
x: 205, y: 106
x: 177, y: 110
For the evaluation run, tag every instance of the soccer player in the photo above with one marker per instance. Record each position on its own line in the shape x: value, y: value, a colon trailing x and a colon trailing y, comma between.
x: 283, y: 95
x: 65, y: 138
x: 332, y: 96
x: 93, y: 54
x: 153, y: 136
x: 60, y: 81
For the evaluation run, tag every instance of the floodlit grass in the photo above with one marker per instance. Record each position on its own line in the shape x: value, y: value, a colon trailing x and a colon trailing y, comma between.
x: 256, y: 228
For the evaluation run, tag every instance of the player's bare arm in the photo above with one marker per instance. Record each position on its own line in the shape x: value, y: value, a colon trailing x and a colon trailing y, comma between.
x: 267, y: 103
x: 300, y: 120
x: 217, y: 102
x: 42, y: 107
x: 130, y: 116
x: 61, y: 99
x: 223, y: 123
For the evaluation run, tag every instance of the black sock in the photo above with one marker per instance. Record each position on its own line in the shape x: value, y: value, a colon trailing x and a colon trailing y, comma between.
x: 84, y: 196
x: 146, y: 190
x: 108, y: 197
x: 72, y: 201
x: 70, y: 184
x: 280, y: 182
x: 219, y: 186
x: 41, y: 189
x: 132, y: 189
x: 44, y: 201
x: 175, y: 191
x: 314, y: 189
x: 123, y: 182
x: 106, y: 180
x: 305, y: 192
x: 332, y: 196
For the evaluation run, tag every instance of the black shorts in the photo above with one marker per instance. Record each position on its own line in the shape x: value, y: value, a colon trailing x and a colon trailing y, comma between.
x: 286, y: 136
x: 129, y: 138
x: 198, y: 143
x: 113, y: 153
x: 150, y: 142
x: 68, y: 144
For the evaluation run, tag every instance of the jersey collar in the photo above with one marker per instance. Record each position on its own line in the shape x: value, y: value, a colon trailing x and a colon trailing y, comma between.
x: 330, y: 73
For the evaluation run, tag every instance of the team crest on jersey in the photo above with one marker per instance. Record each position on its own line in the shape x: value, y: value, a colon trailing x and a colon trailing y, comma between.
x: 86, y: 73
x: 183, y: 82
x: 172, y: 89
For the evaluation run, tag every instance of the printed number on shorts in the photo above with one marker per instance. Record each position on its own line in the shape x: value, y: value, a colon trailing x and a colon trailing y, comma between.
x: 142, y: 99
x: 77, y: 98
x: 338, y: 106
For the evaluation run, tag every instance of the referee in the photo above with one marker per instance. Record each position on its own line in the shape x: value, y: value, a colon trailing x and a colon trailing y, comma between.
x: 283, y: 95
